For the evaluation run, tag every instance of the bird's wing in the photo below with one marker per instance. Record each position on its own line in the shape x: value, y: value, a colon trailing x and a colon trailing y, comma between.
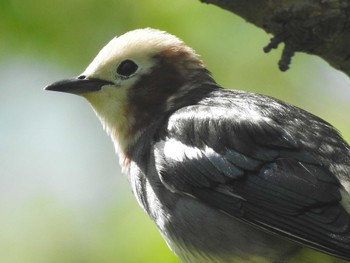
x: 256, y: 171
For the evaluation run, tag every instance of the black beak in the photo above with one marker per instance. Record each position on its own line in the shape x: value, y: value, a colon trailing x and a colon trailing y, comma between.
x: 78, y: 85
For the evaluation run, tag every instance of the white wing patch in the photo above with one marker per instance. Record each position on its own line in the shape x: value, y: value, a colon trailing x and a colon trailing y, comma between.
x: 345, y: 201
x: 178, y: 151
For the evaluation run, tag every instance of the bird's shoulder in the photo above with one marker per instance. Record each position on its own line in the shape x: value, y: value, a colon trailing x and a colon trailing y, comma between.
x: 247, y: 121
x: 239, y: 120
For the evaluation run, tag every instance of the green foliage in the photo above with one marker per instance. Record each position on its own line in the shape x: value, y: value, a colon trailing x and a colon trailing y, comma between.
x: 48, y: 232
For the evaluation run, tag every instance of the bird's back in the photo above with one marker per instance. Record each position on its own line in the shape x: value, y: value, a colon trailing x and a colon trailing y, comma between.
x: 241, y: 175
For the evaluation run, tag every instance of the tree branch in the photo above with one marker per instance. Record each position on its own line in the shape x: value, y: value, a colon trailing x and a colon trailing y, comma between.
x: 318, y: 27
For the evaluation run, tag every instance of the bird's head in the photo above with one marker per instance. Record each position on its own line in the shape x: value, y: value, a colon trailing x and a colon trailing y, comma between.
x: 135, y: 79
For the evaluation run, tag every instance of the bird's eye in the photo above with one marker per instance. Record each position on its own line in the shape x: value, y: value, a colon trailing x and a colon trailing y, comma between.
x: 127, y: 68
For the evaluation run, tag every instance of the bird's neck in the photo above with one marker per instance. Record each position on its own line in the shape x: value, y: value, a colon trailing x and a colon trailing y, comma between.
x: 127, y: 139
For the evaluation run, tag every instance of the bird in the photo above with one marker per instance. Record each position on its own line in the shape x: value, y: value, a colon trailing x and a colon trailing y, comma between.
x: 226, y: 175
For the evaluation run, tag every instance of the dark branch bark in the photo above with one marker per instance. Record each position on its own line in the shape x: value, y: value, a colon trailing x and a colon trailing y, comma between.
x: 318, y: 27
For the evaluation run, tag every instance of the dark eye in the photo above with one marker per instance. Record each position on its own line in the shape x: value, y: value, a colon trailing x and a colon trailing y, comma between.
x: 127, y: 68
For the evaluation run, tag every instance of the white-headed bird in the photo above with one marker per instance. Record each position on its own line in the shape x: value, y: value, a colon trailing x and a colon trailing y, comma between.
x: 226, y: 175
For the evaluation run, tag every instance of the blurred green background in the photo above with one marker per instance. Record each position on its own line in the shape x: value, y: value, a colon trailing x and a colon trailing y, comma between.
x: 62, y: 196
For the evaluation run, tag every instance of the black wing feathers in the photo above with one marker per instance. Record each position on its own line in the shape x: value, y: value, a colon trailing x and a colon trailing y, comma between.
x: 244, y: 160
